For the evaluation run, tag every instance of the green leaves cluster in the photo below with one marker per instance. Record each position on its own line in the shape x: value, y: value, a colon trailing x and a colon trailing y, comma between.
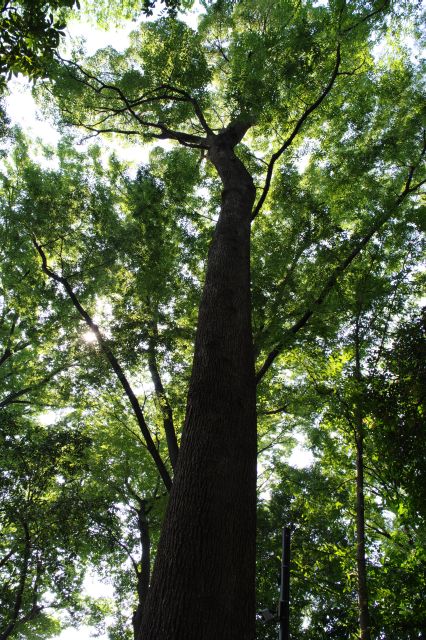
x: 31, y: 31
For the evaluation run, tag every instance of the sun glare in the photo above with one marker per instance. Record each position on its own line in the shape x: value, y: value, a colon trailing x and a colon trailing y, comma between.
x: 89, y: 337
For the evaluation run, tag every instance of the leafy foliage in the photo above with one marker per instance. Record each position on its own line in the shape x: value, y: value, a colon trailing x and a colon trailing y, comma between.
x: 104, y: 263
x: 30, y: 32
x: 41, y: 526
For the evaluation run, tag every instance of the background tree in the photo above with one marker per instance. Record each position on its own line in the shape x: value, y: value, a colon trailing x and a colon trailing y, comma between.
x: 41, y: 528
x: 351, y: 458
x: 30, y: 33
x: 121, y: 277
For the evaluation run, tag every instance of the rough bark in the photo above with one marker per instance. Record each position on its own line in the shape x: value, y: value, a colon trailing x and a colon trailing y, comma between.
x: 203, y: 580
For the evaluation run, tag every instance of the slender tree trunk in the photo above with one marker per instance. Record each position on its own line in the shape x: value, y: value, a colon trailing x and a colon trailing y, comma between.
x: 364, y: 617
x: 203, y: 583
x: 165, y: 408
x: 22, y: 581
x: 145, y: 567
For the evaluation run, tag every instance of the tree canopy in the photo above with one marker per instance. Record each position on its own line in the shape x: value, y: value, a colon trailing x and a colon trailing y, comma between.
x: 264, y: 256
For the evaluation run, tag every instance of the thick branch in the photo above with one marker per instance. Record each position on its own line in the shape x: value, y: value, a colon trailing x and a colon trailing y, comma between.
x: 294, y: 133
x: 184, y: 138
x: 7, y: 557
x: 233, y: 133
x: 272, y: 412
x: 115, y: 365
x: 5, y: 355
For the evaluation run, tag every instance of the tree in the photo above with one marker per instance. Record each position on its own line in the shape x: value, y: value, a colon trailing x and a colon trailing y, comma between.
x: 39, y: 487
x: 351, y: 517
x: 397, y: 400
x: 251, y: 70
x: 365, y: 493
x: 121, y: 475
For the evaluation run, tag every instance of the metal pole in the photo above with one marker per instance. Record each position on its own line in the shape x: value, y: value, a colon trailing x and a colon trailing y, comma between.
x: 284, y: 610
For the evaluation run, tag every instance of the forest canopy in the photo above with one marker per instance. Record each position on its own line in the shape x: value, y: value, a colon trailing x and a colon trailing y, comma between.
x: 222, y: 338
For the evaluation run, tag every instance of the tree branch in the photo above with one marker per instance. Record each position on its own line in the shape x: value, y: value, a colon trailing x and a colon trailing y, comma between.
x: 272, y: 412
x: 6, y: 355
x: 163, y: 400
x: 197, y: 109
x: 115, y: 365
x: 340, y: 269
x: 12, y: 397
x: 366, y: 17
x: 280, y: 288
x: 21, y: 586
x: 294, y: 133
x: 7, y: 557
x: 184, y: 138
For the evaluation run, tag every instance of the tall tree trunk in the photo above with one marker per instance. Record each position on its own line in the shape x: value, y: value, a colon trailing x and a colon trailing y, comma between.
x: 364, y: 617
x: 203, y: 583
